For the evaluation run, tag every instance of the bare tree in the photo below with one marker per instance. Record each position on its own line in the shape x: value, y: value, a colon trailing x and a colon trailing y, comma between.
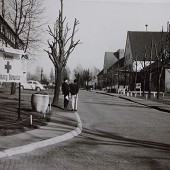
x: 87, y: 75
x: 66, y: 73
x: 25, y: 18
x: 52, y: 76
x: 162, y: 55
x: 60, y: 48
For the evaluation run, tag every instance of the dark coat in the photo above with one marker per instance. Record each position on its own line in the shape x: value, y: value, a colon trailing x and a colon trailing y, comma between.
x: 65, y: 89
x: 74, y: 88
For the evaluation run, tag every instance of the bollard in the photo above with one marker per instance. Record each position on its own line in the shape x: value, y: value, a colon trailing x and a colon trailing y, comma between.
x: 153, y: 94
x: 50, y: 107
x: 31, y: 119
x: 127, y: 93
x: 131, y: 94
x: 135, y: 94
x: 163, y: 95
x: 146, y: 96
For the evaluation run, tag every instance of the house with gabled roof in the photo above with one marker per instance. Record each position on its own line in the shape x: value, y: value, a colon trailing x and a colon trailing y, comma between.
x: 110, y: 58
x: 140, y: 51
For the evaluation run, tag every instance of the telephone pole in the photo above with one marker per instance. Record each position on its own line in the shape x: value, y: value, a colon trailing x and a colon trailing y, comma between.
x: 3, y: 9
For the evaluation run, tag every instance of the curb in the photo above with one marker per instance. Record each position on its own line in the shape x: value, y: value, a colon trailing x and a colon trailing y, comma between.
x: 128, y: 99
x: 41, y: 144
x: 152, y: 107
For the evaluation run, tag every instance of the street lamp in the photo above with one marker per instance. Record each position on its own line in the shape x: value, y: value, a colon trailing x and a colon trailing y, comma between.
x: 146, y: 27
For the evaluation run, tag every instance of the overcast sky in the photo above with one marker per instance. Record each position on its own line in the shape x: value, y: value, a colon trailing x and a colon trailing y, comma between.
x: 104, y: 25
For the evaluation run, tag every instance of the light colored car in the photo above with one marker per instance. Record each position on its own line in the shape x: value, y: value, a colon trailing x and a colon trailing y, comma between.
x: 32, y: 85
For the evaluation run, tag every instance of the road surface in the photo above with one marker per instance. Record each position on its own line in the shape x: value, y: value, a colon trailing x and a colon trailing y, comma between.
x: 117, y: 135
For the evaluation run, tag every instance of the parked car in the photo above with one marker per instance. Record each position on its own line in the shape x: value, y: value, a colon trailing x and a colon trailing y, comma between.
x: 32, y: 85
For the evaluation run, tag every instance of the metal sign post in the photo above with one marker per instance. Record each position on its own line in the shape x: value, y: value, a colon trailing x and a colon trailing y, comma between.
x: 19, y: 104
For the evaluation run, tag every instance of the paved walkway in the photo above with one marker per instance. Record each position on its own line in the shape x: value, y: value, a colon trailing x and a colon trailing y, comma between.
x: 162, y: 105
x: 63, y: 126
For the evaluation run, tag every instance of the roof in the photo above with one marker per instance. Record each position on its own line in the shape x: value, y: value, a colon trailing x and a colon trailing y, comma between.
x: 101, y: 73
x: 109, y: 59
x: 9, y: 31
x: 141, y: 40
x: 12, y: 50
x: 119, y: 63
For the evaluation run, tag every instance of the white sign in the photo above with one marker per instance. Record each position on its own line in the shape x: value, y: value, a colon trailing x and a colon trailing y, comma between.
x: 10, y: 67
x: 138, y: 85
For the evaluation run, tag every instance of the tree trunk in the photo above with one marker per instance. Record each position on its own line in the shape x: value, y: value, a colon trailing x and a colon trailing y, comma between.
x: 159, y: 83
x: 144, y: 84
x: 150, y: 82
x: 13, y: 88
x: 58, y: 79
x: 158, y: 86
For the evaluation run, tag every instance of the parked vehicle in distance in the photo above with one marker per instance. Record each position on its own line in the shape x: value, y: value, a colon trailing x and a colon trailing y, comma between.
x: 32, y: 85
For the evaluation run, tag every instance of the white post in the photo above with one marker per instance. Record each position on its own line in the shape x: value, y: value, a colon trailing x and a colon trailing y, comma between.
x: 140, y: 92
x: 135, y: 94
x: 146, y: 96
x: 31, y: 119
x: 123, y: 91
x: 163, y: 95
x: 50, y: 106
x: 153, y: 94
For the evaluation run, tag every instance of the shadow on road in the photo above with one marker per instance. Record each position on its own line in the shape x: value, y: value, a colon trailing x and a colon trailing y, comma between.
x: 98, y: 137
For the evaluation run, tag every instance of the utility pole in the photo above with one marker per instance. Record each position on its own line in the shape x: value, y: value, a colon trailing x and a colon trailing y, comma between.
x: 41, y: 74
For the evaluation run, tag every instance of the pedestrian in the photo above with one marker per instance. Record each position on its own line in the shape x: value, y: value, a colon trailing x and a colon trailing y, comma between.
x: 65, y: 90
x: 74, y: 88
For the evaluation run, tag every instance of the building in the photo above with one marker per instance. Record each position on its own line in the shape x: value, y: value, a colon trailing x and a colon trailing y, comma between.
x: 100, y: 79
x: 141, y: 51
x: 110, y: 58
x: 8, y: 40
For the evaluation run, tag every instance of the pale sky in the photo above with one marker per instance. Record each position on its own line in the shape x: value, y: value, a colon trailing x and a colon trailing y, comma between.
x: 104, y: 25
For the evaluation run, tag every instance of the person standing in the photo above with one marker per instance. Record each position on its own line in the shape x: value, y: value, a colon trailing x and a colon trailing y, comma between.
x: 65, y: 90
x: 74, y: 88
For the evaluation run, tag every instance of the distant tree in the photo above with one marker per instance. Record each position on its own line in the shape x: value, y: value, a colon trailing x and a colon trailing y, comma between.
x: 66, y: 73
x: 87, y: 76
x: 78, y: 74
x: 60, y: 49
x: 45, y: 80
x: 52, y: 76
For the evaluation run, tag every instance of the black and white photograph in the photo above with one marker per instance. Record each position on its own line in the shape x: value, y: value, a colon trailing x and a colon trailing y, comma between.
x: 84, y: 84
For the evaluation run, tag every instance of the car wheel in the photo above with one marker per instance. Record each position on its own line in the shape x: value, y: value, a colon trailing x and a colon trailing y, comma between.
x: 38, y: 89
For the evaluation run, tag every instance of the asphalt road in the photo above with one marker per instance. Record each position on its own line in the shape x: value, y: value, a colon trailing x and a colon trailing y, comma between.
x: 117, y: 135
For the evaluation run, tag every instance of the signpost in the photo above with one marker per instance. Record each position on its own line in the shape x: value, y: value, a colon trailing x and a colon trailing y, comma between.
x: 10, y: 64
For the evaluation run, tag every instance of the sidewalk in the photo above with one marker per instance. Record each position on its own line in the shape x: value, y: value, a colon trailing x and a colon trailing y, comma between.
x: 63, y: 126
x: 162, y: 105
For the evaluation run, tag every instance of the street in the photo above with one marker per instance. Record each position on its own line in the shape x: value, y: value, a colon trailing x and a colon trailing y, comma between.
x: 117, y: 135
